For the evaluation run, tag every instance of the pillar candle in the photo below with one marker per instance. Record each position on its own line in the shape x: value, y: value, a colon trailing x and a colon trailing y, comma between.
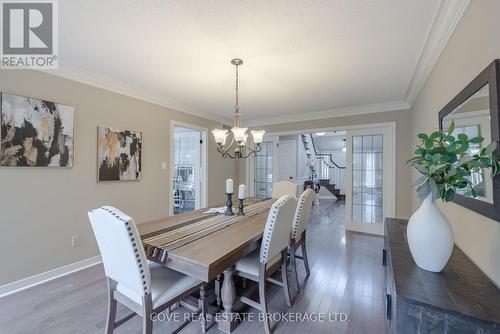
x: 229, y: 186
x: 241, y: 191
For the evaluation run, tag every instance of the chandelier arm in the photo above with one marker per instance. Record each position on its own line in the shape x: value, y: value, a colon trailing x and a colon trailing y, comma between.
x: 225, y: 148
x: 253, y: 152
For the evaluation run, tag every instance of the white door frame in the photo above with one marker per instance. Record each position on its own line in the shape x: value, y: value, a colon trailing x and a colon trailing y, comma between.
x: 250, y: 164
x: 203, y: 163
x: 389, y: 178
x: 391, y: 210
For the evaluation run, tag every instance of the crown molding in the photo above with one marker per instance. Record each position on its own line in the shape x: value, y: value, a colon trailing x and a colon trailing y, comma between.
x: 445, y: 21
x: 96, y: 80
x: 332, y: 113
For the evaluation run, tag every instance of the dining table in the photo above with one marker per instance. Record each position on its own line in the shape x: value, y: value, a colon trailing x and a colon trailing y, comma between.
x: 205, y: 244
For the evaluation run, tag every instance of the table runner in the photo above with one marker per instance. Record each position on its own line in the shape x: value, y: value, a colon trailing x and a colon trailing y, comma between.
x: 157, y: 244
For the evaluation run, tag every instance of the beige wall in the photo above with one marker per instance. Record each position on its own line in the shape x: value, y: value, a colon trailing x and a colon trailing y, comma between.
x: 474, y: 44
x: 41, y: 209
x: 402, y: 119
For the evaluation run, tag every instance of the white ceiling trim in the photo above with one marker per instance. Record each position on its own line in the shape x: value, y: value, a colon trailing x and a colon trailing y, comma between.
x: 93, y: 79
x: 347, y: 111
x: 446, y: 19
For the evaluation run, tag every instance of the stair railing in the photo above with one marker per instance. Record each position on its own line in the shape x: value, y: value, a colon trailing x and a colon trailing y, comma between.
x: 329, y: 169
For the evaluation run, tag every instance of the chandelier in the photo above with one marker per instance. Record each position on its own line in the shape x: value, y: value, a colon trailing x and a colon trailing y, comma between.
x: 239, y: 135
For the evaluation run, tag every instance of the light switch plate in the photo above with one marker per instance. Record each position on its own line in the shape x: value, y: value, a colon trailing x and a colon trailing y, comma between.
x: 164, y: 165
x: 75, y: 241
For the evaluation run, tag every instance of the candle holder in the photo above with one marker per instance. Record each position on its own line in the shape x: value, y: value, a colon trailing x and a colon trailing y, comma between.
x: 240, y: 207
x: 229, y: 205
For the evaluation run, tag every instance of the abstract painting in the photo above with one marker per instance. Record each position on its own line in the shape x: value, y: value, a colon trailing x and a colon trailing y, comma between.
x: 35, y: 132
x: 119, y: 155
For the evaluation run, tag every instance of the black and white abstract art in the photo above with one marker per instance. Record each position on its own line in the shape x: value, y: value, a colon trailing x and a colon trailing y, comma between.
x: 119, y: 155
x: 35, y: 132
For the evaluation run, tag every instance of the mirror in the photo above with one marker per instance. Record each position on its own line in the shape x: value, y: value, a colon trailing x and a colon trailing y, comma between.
x: 475, y: 111
x: 472, y: 118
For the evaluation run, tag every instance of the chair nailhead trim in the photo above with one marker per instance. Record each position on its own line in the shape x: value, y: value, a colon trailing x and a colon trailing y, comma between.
x: 134, y: 244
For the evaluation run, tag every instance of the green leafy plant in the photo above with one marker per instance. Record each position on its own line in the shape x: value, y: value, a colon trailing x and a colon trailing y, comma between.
x: 446, y: 166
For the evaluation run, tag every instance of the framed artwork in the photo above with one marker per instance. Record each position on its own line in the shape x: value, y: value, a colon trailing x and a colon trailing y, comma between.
x: 35, y: 132
x: 119, y: 155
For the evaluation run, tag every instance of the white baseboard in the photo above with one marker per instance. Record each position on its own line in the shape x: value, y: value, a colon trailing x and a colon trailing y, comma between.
x: 28, y: 282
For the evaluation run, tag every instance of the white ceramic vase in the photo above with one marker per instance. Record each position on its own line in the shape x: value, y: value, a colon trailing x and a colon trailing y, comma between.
x: 430, y: 237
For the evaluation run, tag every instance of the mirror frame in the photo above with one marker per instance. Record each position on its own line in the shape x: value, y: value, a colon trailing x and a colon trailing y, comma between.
x: 489, y: 76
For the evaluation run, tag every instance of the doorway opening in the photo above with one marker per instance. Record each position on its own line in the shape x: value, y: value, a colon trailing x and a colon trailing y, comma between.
x: 188, y: 168
x: 353, y: 165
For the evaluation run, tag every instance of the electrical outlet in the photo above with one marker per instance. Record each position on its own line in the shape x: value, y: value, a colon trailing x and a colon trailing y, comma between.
x: 75, y: 241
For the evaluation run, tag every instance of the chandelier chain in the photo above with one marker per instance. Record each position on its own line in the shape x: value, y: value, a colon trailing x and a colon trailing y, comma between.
x: 236, y: 106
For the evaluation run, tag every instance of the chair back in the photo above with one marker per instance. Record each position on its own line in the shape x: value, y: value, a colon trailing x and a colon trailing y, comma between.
x: 302, y: 211
x: 282, y: 188
x: 278, y: 228
x: 121, y: 249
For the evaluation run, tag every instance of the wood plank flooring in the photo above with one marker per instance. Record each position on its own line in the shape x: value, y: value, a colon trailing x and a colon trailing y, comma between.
x: 346, y: 278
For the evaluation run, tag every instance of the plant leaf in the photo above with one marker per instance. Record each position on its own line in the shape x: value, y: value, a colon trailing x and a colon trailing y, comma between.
x: 434, y: 189
x: 452, y: 172
x: 451, y: 128
x: 449, y: 195
x: 476, y: 140
x: 422, y: 136
x: 436, y: 135
x: 463, y: 160
x: 421, y: 169
x: 424, y: 190
x: 490, y: 148
x: 420, y: 180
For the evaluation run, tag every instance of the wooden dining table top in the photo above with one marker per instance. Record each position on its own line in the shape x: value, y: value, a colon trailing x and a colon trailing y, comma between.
x: 204, y: 245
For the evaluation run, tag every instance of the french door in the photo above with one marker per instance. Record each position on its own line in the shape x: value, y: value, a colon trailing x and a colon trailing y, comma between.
x: 370, y: 193
x: 262, y: 169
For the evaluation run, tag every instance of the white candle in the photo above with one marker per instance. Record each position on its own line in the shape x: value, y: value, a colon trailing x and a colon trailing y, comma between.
x: 229, y: 186
x: 241, y: 191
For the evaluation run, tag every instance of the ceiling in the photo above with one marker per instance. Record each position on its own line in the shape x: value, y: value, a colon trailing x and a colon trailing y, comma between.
x: 302, y: 59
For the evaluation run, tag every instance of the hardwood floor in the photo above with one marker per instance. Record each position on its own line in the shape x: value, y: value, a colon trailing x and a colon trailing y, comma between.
x: 346, y: 281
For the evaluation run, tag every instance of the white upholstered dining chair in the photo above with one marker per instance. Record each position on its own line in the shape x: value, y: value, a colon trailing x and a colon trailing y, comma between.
x: 259, y: 265
x: 146, y: 289
x: 282, y: 188
x: 298, y: 236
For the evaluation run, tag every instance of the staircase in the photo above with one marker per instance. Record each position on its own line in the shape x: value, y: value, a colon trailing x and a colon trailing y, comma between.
x: 322, y: 167
x: 310, y: 159
x: 331, y: 188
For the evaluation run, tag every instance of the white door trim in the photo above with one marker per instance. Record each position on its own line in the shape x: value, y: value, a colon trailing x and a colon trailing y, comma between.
x: 203, y: 162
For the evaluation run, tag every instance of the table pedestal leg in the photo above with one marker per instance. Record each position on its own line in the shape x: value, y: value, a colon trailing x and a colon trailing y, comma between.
x: 227, y: 322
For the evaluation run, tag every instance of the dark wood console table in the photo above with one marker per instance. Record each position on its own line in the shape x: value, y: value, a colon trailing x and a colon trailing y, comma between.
x: 460, y: 299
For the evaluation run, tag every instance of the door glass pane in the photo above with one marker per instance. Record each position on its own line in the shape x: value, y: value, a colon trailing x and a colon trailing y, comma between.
x: 367, y: 179
x: 186, y: 178
x: 264, y: 170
